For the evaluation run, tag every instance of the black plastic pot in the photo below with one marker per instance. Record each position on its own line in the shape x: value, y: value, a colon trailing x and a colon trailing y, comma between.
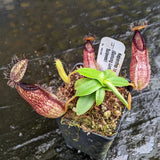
x: 90, y: 143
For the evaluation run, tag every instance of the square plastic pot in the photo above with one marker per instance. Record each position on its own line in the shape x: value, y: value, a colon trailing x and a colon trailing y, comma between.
x: 90, y: 143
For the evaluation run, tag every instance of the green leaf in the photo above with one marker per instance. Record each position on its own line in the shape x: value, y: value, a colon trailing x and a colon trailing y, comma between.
x: 109, y: 85
x: 80, y: 82
x: 84, y: 103
x: 100, y: 93
x: 118, y: 81
x: 92, y: 73
x: 88, y: 87
x: 109, y: 73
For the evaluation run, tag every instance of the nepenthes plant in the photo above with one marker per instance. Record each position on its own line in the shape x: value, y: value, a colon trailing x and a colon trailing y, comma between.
x: 89, y: 89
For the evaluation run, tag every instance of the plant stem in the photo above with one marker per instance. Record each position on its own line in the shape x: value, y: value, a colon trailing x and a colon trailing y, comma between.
x: 115, y: 91
x: 67, y: 103
x: 69, y: 76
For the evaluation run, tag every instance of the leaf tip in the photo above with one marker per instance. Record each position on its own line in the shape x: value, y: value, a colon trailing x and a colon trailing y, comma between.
x: 129, y: 101
x: 61, y: 71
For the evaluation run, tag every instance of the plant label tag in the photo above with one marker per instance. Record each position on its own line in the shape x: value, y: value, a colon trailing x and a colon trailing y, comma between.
x: 110, y: 54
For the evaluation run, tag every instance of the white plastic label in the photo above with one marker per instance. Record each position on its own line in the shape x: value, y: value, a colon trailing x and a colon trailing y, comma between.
x: 110, y: 54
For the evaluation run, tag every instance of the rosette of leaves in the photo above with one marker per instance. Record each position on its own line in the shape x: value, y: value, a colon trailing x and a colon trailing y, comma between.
x: 91, y: 89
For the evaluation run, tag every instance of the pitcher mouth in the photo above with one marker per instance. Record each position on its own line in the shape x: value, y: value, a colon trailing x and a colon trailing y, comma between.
x: 139, y: 41
x: 28, y: 87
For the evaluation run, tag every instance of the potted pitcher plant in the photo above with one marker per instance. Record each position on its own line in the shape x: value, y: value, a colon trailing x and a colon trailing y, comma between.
x: 89, y: 105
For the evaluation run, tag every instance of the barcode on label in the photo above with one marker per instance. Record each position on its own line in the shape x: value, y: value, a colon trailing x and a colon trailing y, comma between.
x: 110, y: 54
